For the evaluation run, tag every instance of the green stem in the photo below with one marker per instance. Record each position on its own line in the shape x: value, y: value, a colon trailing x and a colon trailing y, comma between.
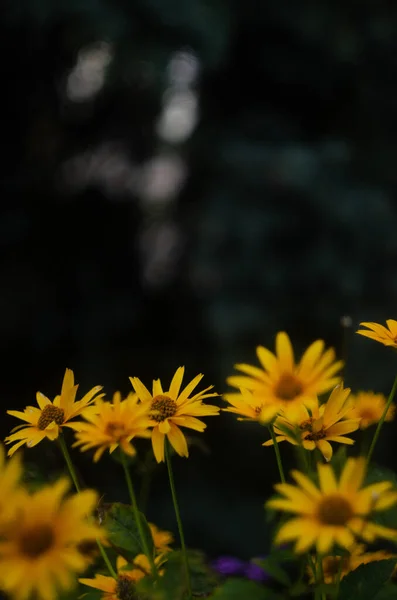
x: 321, y: 574
x: 277, y: 452
x: 69, y: 463
x: 137, y: 515
x: 73, y: 475
x: 178, y: 519
x: 381, y: 420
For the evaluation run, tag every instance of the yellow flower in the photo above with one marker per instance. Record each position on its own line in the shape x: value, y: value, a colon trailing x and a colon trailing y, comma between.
x: 47, y: 420
x: 161, y: 539
x: 283, y: 382
x: 334, y: 512
x: 350, y: 562
x: 39, y: 554
x: 124, y: 586
x: 250, y: 407
x: 369, y: 407
x: 323, y: 424
x: 385, y: 335
x: 110, y: 425
x: 173, y: 409
x: 10, y: 475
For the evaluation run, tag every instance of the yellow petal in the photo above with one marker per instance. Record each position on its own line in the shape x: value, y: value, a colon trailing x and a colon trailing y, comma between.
x: 189, y: 388
x: 325, y: 449
x: 178, y: 440
x: 158, y: 444
x: 327, y: 479
x: 266, y: 358
x: 176, y: 383
x: 164, y: 426
x: 284, y: 351
x: 140, y: 389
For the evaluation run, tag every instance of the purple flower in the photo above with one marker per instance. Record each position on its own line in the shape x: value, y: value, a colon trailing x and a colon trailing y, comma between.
x: 229, y: 565
x: 255, y: 572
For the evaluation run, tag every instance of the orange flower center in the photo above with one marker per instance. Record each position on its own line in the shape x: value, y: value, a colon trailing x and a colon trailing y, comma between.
x: 368, y: 415
x: 36, y: 541
x: 50, y: 414
x: 163, y: 407
x: 125, y: 589
x: 115, y: 429
x: 334, y: 510
x: 288, y: 387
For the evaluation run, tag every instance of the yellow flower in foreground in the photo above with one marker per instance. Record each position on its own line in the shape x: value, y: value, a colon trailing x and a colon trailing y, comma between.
x: 350, y: 562
x: 385, y: 335
x: 10, y: 475
x: 110, y: 425
x: 39, y: 554
x: 173, y: 409
x: 320, y: 426
x: 334, y: 512
x: 161, y: 539
x: 369, y: 407
x: 250, y: 407
x: 124, y: 586
x: 284, y: 383
x: 47, y: 420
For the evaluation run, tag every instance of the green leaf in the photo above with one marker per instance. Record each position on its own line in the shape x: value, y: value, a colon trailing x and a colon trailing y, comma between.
x: 388, y: 592
x: 123, y: 533
x: 364, y: 582
x: 240, y: 589
x: 172, y: 585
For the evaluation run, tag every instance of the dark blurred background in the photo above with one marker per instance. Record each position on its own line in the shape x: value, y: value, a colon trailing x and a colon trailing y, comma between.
x: 180, y: 179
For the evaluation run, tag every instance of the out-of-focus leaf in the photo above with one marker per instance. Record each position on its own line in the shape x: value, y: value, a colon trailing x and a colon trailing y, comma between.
x: 366, y: 581
x: 123, y: 533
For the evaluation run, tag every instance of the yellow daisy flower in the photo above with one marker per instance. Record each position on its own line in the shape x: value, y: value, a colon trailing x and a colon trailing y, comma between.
x: 39, y: 553
x: 283, y: 382
x: 124, y: 586
x: 334, y: 512
x: 47, y: 420
x: 350, y: 562
x: 250, y: 407
x: 385, y: 335
x: 110, y: 425
x: 173, y: 409
x: 320, y: 426
x: 10, y: 476
x: 161, y: 539
x: 369, y: 407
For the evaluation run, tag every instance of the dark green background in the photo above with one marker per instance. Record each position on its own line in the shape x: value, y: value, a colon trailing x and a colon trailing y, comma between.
x: 286, y: 219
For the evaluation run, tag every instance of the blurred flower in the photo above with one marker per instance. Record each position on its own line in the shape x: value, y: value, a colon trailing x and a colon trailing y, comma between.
x: 232, y: 566
x: 255, y: 572
x: 250, y: 407
x: 161, y: 539
x: 356, y: 557
x: 369, y: 407
x: 47, y: 420
x: 323, y: 424
x: 127, y: 576
x: 334, y: 512
x: 39, y: 554
x: 286, y: 384
x: 229, y: 565
x: 110, y: 425
x: 10, y: 475
x: 379, y: 333
x: 173, y: 409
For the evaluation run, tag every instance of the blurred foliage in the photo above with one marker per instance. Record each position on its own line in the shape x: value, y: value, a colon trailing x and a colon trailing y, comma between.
x: 129, y: 251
